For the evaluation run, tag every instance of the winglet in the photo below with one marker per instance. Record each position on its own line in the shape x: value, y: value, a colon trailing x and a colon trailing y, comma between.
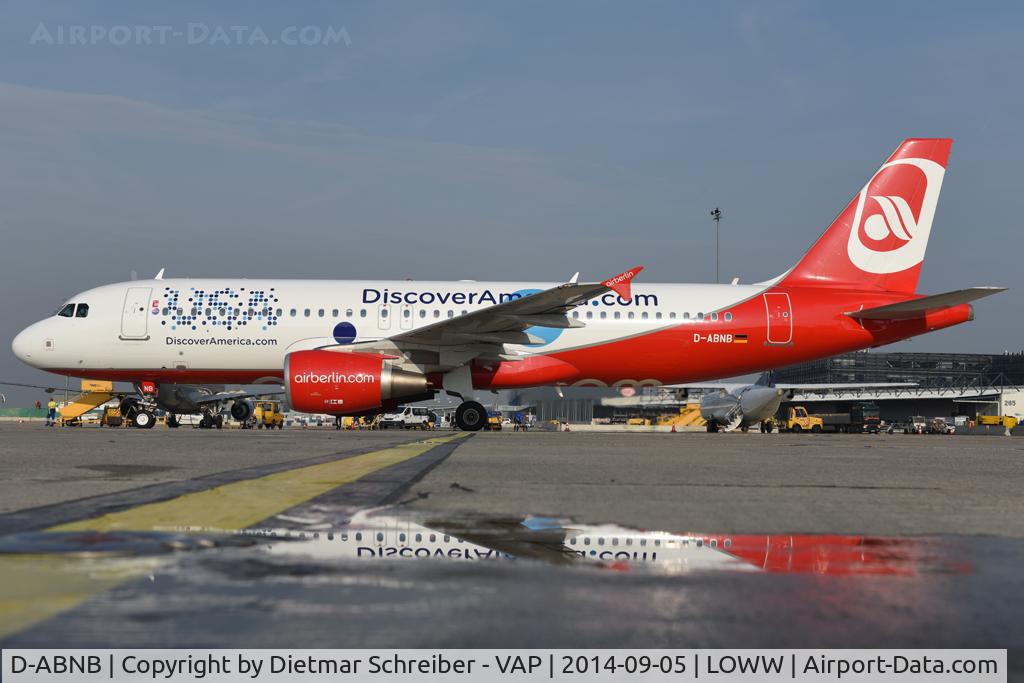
x: 620, y: 284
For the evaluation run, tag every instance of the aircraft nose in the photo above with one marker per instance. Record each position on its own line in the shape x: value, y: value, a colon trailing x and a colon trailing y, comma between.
x: 20, y: 346
x: 760, y: 402
x: 27, y: 345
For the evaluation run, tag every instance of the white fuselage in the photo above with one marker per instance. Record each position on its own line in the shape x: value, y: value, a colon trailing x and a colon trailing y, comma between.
x: 200, y: 327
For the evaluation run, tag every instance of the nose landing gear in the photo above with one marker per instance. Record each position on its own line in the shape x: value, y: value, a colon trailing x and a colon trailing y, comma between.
x: 139, y: 414
x: 143, y: 419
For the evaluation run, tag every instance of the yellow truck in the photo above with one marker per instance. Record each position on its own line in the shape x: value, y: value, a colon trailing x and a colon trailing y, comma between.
x: 267, y: 414
x: 1007, y: 421
x: 797, y: 420
x: 112, y: 417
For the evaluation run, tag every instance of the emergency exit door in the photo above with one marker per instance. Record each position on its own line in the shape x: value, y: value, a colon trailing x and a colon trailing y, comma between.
x: 780, y: 318
x: 135, y: 314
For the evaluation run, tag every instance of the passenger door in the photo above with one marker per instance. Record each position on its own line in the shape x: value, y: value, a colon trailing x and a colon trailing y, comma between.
x: 135, y: 315
x: 780, y: 318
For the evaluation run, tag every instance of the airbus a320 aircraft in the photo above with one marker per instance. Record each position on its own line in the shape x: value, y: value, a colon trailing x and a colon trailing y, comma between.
x: 729, y: 406
x: 349, y: 348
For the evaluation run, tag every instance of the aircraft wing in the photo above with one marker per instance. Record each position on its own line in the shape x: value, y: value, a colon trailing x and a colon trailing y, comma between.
x: 49, y: 390
x: 203, y: 400
x: 508, y: 322
x: 232, y: 396
x: 730, y: 387
x: 915, y: 308
x: 54, y: 390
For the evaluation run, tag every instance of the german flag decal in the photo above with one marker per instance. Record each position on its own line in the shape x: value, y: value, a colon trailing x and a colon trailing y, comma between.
x: 739, y: 339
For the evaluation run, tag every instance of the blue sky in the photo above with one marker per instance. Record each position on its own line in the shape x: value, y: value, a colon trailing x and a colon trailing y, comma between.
x: 517, y: 140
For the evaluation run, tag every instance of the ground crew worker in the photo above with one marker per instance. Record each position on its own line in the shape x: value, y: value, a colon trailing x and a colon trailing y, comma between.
x: 51, y: 413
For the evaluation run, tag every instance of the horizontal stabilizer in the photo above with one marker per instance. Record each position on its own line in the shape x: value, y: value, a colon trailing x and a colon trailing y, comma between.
x: 915, y: 308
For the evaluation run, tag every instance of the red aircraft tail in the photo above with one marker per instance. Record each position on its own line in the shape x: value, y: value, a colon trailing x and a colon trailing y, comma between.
x: 879, y: 240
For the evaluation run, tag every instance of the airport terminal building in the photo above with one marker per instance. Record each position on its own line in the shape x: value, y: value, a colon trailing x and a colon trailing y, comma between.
x: 944, y: 384
x: 935, y: 370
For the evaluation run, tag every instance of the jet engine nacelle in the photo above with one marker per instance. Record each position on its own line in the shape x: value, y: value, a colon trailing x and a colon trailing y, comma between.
x: 343, y: 383
x: 241, y: 409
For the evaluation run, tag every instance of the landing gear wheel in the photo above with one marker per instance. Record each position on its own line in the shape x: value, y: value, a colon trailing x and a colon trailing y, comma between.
x: 172, y: 421
x: 712, y: 427
x: 204, y: 422
x: 766, y: 427
x: 470, y: 416
x: 144, y: 419
x: 218, y: 422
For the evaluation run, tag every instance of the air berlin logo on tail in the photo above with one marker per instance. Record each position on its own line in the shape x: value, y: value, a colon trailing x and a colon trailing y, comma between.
x: 896, y: 219
x: 894, y: 216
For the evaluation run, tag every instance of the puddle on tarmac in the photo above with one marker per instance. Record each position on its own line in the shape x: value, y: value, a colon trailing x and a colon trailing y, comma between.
x: 390, y: 577
x: 396, y: 535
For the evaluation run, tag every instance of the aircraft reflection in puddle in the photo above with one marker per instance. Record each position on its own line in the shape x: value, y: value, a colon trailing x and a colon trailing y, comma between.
x: 384, y: 535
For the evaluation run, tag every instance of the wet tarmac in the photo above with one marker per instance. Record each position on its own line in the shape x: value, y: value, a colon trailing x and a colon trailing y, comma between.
x: 417, y: 542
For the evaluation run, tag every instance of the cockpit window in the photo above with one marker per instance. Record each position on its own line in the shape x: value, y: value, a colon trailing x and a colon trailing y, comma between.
x: 67, y: 312
x: 82, y: 311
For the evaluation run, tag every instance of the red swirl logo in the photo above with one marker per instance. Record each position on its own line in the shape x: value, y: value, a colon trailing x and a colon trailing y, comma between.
x: 894, y: 216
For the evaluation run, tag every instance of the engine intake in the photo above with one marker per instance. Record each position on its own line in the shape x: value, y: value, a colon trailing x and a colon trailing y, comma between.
x: 343, y: 383
x: 242, y: 410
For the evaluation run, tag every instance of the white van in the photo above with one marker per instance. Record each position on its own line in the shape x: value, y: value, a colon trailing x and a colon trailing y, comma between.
x: 407, y: 417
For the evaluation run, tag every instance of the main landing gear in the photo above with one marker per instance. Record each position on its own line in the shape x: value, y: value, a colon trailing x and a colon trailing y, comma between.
x: 209, y: 421
x: 470, y: 416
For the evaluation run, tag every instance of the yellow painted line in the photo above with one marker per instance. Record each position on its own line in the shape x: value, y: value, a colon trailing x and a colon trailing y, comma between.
x: 37, y: 587
x: 244, y: 503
